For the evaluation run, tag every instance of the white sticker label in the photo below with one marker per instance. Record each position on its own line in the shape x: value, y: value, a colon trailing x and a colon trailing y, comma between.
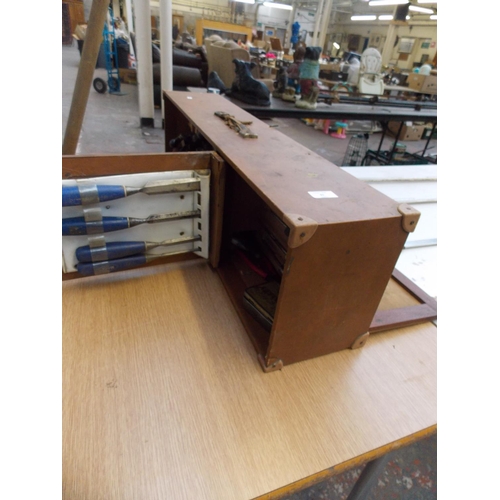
x: 322, y: 194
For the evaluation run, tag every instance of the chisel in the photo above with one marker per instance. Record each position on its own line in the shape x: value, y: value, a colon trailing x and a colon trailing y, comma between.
x: 85, y: 194
x: 119, y: 249
x: 74, y: 226
x: 112, y: 266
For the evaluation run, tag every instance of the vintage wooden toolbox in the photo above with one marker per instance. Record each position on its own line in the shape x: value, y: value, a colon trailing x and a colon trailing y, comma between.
x: 305, y: 250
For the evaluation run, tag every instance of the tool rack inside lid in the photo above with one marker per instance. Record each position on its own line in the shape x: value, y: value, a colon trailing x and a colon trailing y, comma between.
x: 169, y: 219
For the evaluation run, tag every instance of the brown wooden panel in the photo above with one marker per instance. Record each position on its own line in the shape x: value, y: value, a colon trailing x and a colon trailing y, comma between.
x: 102, y: 165
x: 332, y: 287
x: 72, y: 15
x: 281, y: 171
x: 401, y: 316
x: 217, y: 187
x: 175, y: 123
x: 67, y: 38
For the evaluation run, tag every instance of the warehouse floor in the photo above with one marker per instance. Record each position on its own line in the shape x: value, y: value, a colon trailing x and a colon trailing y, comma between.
x: 111, y: 125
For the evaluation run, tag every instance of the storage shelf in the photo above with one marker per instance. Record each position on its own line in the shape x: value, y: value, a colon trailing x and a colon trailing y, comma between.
x: 235, y: 287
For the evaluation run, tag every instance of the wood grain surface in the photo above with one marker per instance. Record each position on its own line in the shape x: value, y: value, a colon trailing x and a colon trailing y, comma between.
x: 280, y: 170
x: 163, y: 397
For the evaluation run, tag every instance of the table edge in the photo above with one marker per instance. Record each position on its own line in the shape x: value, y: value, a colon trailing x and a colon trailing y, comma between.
x: 348, y: 464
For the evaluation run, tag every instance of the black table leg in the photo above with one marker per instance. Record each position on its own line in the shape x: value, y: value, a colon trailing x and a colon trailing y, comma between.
x: 429, y: 138
x: 384, y: 129
x: 396, y: 139
x: 369, y: 477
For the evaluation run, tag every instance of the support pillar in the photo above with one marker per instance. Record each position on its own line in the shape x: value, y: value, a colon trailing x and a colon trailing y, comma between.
x: 389, y: 43
x: 166, y: 49
x: 288, y: 34
x: 116, y: 8
x: 130, y: 17
x: 144, y: 63
x: 324, y: 24
x: 317, y: 22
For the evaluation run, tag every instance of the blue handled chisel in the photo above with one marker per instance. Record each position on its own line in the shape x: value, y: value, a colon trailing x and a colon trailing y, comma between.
x: 75, y: 226
x: 85, y: 194
x: 120, y: 249
x: 112, y: 266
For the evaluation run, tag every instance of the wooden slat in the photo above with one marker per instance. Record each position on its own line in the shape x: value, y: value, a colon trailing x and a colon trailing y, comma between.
x: 163, y: 396
x: 217, y: 187
x: 101, y: 165
x: 404, y: 316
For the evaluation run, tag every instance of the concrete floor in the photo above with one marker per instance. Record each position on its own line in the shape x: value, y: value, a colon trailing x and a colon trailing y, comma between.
x: 112, y: 125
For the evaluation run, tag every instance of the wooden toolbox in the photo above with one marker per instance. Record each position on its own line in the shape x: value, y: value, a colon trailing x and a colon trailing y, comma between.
x: 304, y: 249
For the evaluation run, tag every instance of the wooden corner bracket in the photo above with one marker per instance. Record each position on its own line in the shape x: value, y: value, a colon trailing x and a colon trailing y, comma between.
x: 410, y: 217
x: 272, y: 365
x: 301, y: 229
x: 360, y: 341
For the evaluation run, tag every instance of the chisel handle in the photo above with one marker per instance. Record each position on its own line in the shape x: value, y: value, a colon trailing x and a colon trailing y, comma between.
x: 111, y: 266
x: 113, y: 250
x: 71, y: 195
x: 74, y: 226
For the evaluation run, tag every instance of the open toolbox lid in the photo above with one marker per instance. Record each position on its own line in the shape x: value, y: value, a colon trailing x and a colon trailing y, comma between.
x: 91, y: 244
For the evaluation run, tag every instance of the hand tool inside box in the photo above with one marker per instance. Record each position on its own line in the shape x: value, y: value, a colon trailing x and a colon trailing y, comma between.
x: 122, y: 221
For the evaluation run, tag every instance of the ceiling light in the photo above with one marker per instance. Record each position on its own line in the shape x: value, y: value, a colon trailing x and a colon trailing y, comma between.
x: 374, y: 3
x: 433, y: 17
x: 278, y: 5
x: 414, y: 8
x: 336, y: 45
x: 363, y: 18
x: 387, y: 17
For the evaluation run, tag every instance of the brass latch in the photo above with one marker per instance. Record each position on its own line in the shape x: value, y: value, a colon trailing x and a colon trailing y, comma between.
x: 239, y: 126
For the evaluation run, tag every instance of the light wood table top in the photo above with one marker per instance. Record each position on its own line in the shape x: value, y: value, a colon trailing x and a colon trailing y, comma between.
x: 163, y: 396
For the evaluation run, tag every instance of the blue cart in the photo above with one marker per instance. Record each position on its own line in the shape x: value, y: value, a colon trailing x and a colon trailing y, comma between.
x: 111, y: 53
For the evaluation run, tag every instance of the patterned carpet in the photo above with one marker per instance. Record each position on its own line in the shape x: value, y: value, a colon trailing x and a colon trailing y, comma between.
x: 411, y: 474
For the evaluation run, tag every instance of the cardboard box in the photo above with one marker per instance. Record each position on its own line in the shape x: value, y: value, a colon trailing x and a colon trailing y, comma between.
x: 330, y: 67
x: 128, y: 75
x: 424, y: 83
x: 80, y: 32
x: 409, y: 132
